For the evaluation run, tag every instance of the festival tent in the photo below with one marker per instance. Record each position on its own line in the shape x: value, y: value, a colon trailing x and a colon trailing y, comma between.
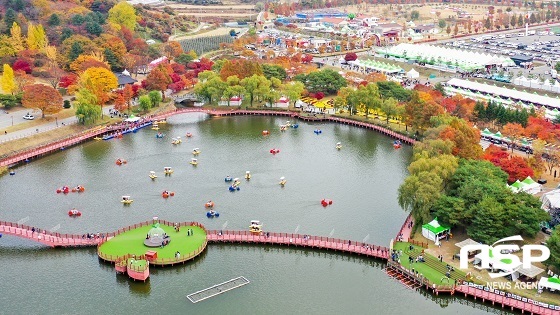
x: 433, y: 231
x: 517, y: 186
x: 132, y: 118
x: 551, y: 200
x: 506, y: 93
x: 487, y: 132
x: 530, y: 186
x: 412, y: 74
x: 551, y: 283
x: 519, y: 80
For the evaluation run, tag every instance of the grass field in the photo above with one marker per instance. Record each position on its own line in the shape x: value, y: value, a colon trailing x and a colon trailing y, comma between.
x: 433, y: 275
x: 132, y: 242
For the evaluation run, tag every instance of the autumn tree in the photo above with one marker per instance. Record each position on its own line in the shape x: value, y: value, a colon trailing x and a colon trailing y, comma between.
x: 22, y: 80
x: 36, y: 37
x: 8, y: 80
x: 120, y: 103
x: 127, y: 95
x: 123, y: 14
x: 172, y: 49
x: 242, y: 68
x: 515, y: 166
x: 158, y: 79
x: 16, y: 40
x: 100, y: 82
x: 513, y: 132
x: 42, y: 97
x: 85, y: 61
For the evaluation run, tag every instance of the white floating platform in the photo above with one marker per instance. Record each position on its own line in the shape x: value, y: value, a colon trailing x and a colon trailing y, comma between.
x: 217, y: 289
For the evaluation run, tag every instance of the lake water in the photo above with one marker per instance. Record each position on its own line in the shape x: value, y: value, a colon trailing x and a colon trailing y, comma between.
x: 362, y: 180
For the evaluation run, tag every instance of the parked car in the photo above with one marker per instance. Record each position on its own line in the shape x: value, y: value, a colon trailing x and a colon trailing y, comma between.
x: 28, y: 116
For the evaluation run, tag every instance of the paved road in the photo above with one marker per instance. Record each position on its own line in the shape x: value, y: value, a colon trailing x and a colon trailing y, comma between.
x: 47, y: 126
x: 14, y: 117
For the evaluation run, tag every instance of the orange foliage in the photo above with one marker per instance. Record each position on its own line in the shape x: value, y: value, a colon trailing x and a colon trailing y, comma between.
x: 541, y: 128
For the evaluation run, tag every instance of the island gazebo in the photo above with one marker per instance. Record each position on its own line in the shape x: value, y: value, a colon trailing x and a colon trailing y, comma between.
x: 156, y: 237
x: 433, y: 231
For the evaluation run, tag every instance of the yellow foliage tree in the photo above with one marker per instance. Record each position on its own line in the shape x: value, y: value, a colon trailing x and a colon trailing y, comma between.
x: 100, y: 82
x: 15, y: 37
x: 7, y: 81
x: 36, y: 37
x: 6, y: 49
x: 84, y: 62
x: 123, y: 14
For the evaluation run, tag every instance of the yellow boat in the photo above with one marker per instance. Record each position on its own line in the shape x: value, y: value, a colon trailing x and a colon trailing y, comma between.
x: 194, y: 162
x: 155, y: 127
x: 247, y: 175
x: 282, y: 181
x: 168, y: 170
x: 97, y: 138
x: 153, y: 175
x: 339, y: 146
x: 161, y: 122
x: 196, y: 151
x: 126, y: 200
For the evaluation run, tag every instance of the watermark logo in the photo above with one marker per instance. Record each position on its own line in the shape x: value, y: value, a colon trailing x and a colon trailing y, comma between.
x: 501, y: 257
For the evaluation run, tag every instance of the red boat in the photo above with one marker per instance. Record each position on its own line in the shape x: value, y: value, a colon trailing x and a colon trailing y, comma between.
x: 63, y: 189
x: 74, y: 213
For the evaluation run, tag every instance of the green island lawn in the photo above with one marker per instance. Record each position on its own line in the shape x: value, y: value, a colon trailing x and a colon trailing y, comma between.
x: 428, y: 272
x: 132, y: 242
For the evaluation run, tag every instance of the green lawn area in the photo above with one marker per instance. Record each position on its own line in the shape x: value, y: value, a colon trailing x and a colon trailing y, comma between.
x: 433, y: 275
x: 132, y: 242
x: 137, y: 264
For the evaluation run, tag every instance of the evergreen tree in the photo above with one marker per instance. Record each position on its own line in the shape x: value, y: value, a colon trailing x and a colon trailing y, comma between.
x: 94, y: 28
x: 66, y: 33
x: 520, y: 20
x: 112, y: 60
x: 54, y: 20
x: 75, y: 51
x: 513, y: 20
x: 9, y: 18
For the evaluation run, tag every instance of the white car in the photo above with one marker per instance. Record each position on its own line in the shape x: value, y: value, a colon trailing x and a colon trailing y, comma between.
x: 28, y: 116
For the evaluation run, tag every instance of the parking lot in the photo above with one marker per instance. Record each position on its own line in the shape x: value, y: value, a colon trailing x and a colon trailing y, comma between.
x: 543, y: 46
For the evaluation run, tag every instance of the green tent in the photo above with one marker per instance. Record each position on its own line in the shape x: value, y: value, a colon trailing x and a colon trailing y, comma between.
x: 528, y: 181
x: 487, y: 132
x: 433, y: 231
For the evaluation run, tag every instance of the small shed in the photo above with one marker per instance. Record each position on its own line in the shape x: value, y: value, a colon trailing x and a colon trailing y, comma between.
x: 283, y: 102
x: 434, y: 231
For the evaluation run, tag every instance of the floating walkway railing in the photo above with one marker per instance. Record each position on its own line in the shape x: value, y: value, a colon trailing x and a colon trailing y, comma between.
x: 290, y: 239
x: 217, y: 289
x: 52, y: 147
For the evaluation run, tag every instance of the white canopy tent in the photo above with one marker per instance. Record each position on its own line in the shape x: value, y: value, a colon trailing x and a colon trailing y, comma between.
x: 551, y: 200
x: 552, y: 283
x: 132, y: 118
x: 412, y: 74
x: 529, y: 98
x: 464, y: 59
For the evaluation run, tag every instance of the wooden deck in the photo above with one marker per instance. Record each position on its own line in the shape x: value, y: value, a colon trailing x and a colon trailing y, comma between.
x: 51, y: 239
x: 299, y: 240
x: 513, y: 304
